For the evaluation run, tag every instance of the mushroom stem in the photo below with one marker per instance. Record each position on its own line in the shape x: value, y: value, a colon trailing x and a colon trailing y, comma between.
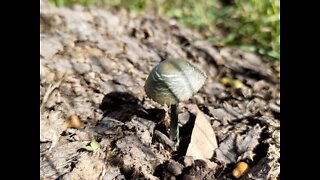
x: 174, y: 128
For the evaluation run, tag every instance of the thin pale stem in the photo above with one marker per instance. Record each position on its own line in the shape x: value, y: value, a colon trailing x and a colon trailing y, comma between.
x: 174, y: 128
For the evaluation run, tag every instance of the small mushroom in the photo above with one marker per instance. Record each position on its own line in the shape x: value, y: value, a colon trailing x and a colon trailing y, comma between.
x: 173, y: 81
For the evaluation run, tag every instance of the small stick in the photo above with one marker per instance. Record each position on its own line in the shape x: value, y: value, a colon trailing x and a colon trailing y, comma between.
x: 164, y: 139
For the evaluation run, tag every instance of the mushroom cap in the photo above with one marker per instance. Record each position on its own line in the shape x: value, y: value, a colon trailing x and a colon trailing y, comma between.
x: 173, y: 81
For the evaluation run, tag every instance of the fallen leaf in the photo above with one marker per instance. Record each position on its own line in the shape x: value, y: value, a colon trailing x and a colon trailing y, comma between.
x: 225, y: 81
x: 237, y: 84
x: 73, y: 122
x: 241, y: 169
x: 93, y: 146
x: 203, y: 140
x: 236, y: 147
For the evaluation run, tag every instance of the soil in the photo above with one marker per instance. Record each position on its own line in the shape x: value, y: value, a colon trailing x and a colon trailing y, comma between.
x: 94, y: 63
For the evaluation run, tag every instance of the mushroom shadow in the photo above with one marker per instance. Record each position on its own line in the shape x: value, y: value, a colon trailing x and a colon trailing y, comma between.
x: 185, y: 137
x: 123, y: 106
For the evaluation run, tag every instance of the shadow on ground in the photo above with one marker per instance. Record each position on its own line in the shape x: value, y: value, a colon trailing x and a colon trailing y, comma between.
x: 123, y: 105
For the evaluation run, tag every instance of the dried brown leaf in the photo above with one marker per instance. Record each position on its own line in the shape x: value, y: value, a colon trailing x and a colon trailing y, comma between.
x: 203, y: 140
x: 236, y: 147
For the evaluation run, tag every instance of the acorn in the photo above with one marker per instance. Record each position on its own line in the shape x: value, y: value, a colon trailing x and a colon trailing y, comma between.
x: 241, y: 169
x: 173, y: 81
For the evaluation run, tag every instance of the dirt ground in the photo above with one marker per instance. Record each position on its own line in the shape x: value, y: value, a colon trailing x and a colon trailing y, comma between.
x: 94, y: 63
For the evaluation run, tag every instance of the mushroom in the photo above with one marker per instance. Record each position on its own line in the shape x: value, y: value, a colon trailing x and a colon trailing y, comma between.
x: 173, y: 81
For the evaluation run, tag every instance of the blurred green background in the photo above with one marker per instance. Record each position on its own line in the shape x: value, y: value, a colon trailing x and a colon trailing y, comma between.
x: 251, y: 25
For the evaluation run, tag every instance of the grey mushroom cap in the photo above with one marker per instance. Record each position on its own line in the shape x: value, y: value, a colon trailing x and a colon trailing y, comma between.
x: 173, y: 81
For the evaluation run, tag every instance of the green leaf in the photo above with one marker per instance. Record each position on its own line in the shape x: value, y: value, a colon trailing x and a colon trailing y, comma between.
x: 94, y: 145
x: 274, y: 54
x: 249, y: 48
x: 89, y: 148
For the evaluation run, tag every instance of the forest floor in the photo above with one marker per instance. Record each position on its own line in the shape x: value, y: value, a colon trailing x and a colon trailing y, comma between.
x: 94, y: 64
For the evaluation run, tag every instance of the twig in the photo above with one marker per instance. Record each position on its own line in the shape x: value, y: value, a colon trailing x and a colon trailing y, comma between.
x: 164, y: 139
x: 49, y: 91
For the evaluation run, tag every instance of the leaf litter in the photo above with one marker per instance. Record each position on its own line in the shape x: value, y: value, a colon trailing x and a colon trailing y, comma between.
x: 94, y: 63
